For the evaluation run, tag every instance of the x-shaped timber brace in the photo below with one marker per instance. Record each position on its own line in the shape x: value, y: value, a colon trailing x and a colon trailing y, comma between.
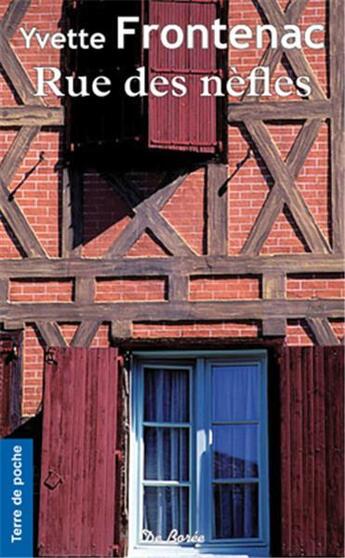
x: 274, y: 308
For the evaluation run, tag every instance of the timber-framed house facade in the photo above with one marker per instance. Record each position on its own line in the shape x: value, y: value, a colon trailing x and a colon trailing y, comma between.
x: 171, y: 288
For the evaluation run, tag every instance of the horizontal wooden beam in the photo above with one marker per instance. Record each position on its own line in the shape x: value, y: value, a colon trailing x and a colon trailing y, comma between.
x: 276, y: 110
x: 198, y: 265
x: 174, y: 311
x: 31, y: 116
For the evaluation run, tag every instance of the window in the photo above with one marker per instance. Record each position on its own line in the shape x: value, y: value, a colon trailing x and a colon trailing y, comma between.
x: 199, y: 454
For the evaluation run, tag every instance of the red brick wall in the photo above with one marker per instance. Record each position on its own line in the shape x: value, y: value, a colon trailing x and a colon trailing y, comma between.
x: 106, y: 215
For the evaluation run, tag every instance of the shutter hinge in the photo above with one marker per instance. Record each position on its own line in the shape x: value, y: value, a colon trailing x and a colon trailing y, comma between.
x: 120, y: 360
x: 119, y: 456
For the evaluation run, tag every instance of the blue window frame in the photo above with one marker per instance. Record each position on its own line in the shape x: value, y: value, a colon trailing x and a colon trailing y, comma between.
x: 199, y: 454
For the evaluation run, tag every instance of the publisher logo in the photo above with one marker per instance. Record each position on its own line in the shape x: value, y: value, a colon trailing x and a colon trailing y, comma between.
x: 16, y: 508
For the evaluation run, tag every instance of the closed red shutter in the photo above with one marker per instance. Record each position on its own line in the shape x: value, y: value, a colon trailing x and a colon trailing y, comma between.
x: 186, y: 123
x: 10, y: 386
x: 77, y: 491
x: 312, y: 451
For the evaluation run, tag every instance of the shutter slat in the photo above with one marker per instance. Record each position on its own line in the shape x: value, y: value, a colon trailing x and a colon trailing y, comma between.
x: 186, y: 123
x: 312, y: 451
x: 77, y: 496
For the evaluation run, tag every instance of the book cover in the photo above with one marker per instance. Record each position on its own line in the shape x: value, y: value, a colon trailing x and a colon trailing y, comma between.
x: 171, y: 278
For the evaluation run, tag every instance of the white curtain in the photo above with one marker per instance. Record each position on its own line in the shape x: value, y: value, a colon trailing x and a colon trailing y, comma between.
x: 166, y: 400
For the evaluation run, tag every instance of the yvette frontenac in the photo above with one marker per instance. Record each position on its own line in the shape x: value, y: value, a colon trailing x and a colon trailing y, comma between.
x: 172, y: 36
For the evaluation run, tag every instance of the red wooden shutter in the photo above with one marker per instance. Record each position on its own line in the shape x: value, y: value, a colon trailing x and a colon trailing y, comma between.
x: 10, y: 387
x: 186, y: 123
x: 77, y: 491
x: 312, y: 451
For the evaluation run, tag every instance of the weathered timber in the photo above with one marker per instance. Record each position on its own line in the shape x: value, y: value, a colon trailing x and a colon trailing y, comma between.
x: 4, y: 284
x: 19, y: 225
x: 51, y: 333
x: 85, y: 333
x: 11, y: 325
x: 120, y: 330
x: 85, y: 294
x: 322, y: 331
x: 166, y: 233
x: 196, y: 265
x: 299, y: 64
x: 31, y: 116
x: 77, y: 204
x: 273, y: 56
x: 66, y: 215
x: 217, y: 209
x: 276, y: 110
x: 142, y: 219
x: 286, y: 184
x: 274, y: 288
x: 178, y: 287
x: 17, y: 152
x: 274, y: 202
x: 337, y: 54
x: 16, y: 73
x: 84, y: 290
x: 175, y: 311
x: 13, y: 16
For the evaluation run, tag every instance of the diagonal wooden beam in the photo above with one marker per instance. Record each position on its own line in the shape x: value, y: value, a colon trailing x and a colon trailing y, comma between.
x: 84, y: 294
x: 286, y: 185
x: 299, y: 64
x: 16, y: 73
x: 323, y: 332
x: 272, y: 56
x: 9, y: 208
x: 51, y: 333
x: 146, y: 216
x: 274, y: 202
x: 13, y: 16
x: 166, y: 234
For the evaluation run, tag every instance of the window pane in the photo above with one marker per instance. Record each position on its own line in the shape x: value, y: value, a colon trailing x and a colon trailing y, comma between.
x: 166, y: 454
x: 166, y: 509
x: 235, y: 452
x: 235, y: 392
x: 235, y: 511
x: 166, y: 395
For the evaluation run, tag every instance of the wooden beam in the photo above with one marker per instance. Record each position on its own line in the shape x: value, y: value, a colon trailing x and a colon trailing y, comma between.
x: 165, y: 233
x: 296, y: 58
x: 143, y: 218
x: 11, y: 325
x: 4, y: 285
x: 17, y: 153
x: 120, y: 330
x: 13, y: 16
x: 31, y: 116
x: 163, y: 266
x: 273, y: 56
x: 16, y: 73
x: 174, y: 311
x: 337, y: 86
x: 9, y: 207
x: 178, y: 287
x: 274, y: 288
x: 276, y: 110
x: 217, y: 209
x: 66, y: 215
x: 285, y: 182
x: 85, y: 333
x: 323, y: 331
x: 50, y: 333
x: 84, y: 294
x: 274, y: 202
